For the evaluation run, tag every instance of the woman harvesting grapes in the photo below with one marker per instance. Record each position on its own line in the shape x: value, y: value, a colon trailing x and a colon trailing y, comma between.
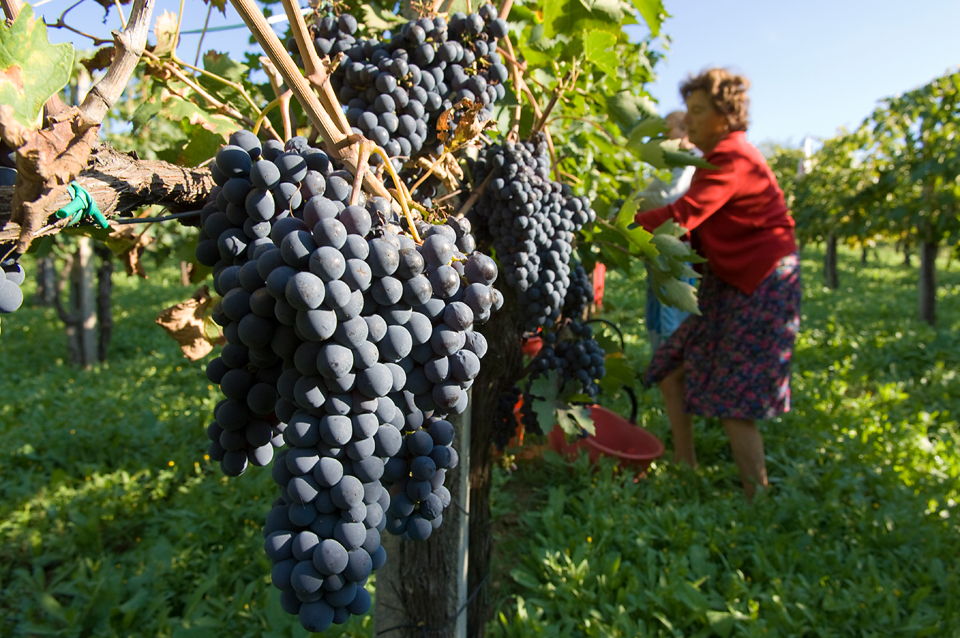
x: 733, y: 362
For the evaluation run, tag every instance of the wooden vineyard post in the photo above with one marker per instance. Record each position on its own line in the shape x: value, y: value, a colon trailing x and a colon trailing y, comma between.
x: 423, y: 585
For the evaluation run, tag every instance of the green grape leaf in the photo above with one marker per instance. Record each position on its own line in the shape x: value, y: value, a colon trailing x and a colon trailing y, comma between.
x: 545, y: 391
x: 378, y: 19
x: 648, y: 127
x: 598, y: 47
x: 619, y: 373
x: 653, y: 14
x: 668, y: 245
x: 625, y: 108
x: 202, y: 146
x: 562, y: 17
x: 574, y: 419
x: 31, y: 69
x: 675, y: 293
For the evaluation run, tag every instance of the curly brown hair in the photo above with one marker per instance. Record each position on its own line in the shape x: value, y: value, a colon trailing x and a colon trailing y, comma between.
x: 727, y: 92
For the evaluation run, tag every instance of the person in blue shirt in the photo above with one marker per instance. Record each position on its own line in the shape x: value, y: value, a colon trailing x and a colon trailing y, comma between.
x: 663, y: 320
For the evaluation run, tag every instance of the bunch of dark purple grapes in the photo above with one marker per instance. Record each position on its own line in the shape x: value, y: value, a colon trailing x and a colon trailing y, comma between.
x: 531, y: 222
x: 349, y: 342
x: 395, y: 89
x: 577, y: 359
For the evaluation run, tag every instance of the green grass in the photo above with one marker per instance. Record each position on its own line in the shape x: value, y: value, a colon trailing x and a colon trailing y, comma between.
x: 113, y: 523
x: 857, y: 537
x: 112, y: 520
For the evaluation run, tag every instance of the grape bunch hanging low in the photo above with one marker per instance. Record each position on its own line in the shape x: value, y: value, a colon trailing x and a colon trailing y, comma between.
x: 347, y: 343
x: 531, y: 223
x: 579, y: 358
x: 395, y: 89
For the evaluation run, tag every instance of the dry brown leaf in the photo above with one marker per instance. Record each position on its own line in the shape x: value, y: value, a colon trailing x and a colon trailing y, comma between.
x: 47, y: 160
x: 186, y: 323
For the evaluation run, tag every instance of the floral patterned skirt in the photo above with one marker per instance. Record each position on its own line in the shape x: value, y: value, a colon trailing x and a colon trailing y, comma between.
x: 736, y: 355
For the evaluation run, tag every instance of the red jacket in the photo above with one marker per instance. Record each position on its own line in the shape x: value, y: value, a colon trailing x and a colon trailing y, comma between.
x: 743, y: 225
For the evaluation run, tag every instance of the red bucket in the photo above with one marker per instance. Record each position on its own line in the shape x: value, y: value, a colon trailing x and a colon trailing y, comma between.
x: 616, y: 437
x: 531, y: 346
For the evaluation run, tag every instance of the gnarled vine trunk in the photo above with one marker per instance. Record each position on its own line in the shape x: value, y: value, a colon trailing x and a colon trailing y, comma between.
x: 502, y: 367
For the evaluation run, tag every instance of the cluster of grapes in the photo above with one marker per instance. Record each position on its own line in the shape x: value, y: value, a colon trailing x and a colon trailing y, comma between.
x: 504, y: 418
x: 418, y: 471
x: 577, y: 359
x: 258, y: 187
x: 11, y: 273
x: 395, y: 89
x: 531, y: 221
x: 11, y: 278
x: 579, y: 294
x: 361, y: 339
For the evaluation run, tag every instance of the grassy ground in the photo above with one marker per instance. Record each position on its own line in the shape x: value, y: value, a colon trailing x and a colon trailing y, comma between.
x: 857, y: 537
x: 113, y: 523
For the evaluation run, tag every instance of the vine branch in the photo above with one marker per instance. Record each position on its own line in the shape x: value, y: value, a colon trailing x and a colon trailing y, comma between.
x: 130, y: 45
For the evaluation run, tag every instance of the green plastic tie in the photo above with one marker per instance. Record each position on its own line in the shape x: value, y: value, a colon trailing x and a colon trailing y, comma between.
x: 82, y: 206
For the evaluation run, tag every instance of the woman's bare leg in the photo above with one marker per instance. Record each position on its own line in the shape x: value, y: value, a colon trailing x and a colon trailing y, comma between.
x: 746, y: 442
x: 680, y: 422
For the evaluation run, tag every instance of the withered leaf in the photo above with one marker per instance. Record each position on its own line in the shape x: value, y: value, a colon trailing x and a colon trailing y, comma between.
x: 187, y: 323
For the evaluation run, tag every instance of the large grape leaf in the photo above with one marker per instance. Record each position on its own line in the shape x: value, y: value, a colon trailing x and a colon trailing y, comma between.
x: 31, y: 69
x: 552, y: 408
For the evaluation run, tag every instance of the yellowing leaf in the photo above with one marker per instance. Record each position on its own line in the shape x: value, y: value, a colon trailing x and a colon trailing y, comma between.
x: 165, y: 30
x: 31, y: 69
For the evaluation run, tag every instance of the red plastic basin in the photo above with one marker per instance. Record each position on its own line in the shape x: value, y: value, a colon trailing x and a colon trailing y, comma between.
x: 616, y: 437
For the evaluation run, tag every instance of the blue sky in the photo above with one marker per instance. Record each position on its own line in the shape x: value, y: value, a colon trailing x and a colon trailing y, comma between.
x: 815, y: 65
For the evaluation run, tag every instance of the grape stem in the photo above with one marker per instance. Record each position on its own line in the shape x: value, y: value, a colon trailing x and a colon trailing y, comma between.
x: 226, y: 109
x: 335, y: 141
x: 129, y: 45
x: 474, y: 196
x: 403, y: 196
x: 505, y: 9
x: 315, y: 71
x: 276, y: 83
x: 283, y: 101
